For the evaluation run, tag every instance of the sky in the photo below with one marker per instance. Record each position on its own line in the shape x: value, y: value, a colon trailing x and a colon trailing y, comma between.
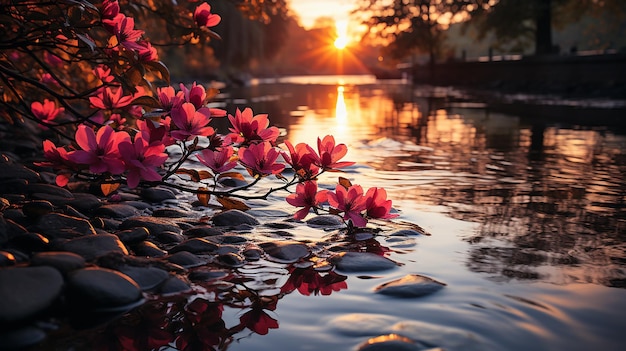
x: 309, y: 10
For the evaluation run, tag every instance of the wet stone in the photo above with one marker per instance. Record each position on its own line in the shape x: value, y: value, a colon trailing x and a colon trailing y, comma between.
x: 169, y: 213
x: 169, y: 237
x: 154, y: 225
x: 15, y: 171
x: 37, y: 208
x: 234, y: 218
x: 84, y: 202
x: 99, y: 288
x: 280, y: 225
x: 117, y: 211
x: 29, y: 242
x: 133, y: 236
x: 173, y: 285
x: 140, y: 205
x: 93, y: 246
x: 285, y: 251
x: 4, y: 203
x: 64, y: 262
x: 6, y: 259
x: 228, y: 239
x: 207, y: 275
x: 412, y: 285
x: 147, y: 278
x: 362, y: 324
x: 224, y: 249
x: 19, y: 256
x: 361, y: 262
x: 252, y: 253
x: 148, y: 249
x: 325, y: 221
x: 71, y: 211
x: 202, y: 231
x: 195, y: 245
x: 51, y: 223
x: 390, y: 342
x: 156, y: 194
x: 38, y: 190
x: 21, y: 338
x: 186, y: 259
x: 26, y: 291
x: 230, y: 259
x: 447, y: 338
x: 406, y: 232
x: 268, y: 213
x: 13, y: 228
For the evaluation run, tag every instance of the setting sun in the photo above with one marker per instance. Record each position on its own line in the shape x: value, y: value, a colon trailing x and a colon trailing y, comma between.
x: 341, y: 42
x: 342, y: 35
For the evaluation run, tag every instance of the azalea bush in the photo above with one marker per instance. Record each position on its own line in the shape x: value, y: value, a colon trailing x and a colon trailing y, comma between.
x: 93, y: 83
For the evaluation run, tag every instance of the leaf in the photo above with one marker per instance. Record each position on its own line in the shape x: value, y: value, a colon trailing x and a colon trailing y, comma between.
x: 108, y: 188
x: 192, y: 173
x: 205, y: 175
x: 234, y: 175
x: 334, y: 211
x: 161, y: 68
x: 345, y: 182
x: 211, y: 93
x: 145, y: 100
x: 204, y: 197
x: 232, y: 204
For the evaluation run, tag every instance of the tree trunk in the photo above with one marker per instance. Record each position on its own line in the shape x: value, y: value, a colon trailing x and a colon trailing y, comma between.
x: 543, y: 31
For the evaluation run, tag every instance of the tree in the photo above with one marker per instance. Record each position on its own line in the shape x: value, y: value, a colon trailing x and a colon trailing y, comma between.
x: 518, y: 24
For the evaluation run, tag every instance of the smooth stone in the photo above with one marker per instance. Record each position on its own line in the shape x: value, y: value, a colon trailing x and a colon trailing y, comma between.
x: 133, y: 236
x: 100, y: 288
x: 26, y: 291
x: 148, y: 249
x: 169, y: 237
x: 51, y: 223
x: 361, y: 262
x: 406, y: 232
x: 362, y: 324
x: 147, y: 278
x: 16, y: 171
x: 412, y: 285
x: 63, y: 261
x: 389, y: 342
x: 186, y: 259
x: 325, y: 221
x: 448, y: 338
x: 202, y: 231
x: 37, y: 208
x: 268, y: 213
x: 285, y: 251
x: 226, y: 248
x: 13, y: 228
x: 233, y: 218
x: 40, y: 189
x: 93, y: 246
x: 156, y: 194
x: 21, y: 338
x: 228, y: 239
x: 7, y: 259
x: 195, y: 245
x: 85, y: 202
x: 252, y: 253
x: 117, y: 211
x: 72, y: 212
x: 174, y: 285
x: 169, y: 213
x: 140, y: 205
x: 207, y: 275
x: 230, y: 259
x: 401, y: 241
x: 154, y: 225
x: 280, y: 225
x: 29, y: 242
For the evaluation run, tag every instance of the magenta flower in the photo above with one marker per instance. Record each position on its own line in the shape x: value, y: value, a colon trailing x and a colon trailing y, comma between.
x: 46, y: 112
x: 155, y: 132
x: 110, y: 9
x: 203, y: 16
x: 260, y: 159
x: 103, y: 73
x: 99, y: 151
x: 251, y: 129
x: 349, y: 201
x: 377, y: 205
x: 302, y: 159
x: 109, y: 99
x: 141, y: 160
x: 330, y: 154
x: 190, y: 123
x: 218, y: 161
x: 169, y: 99
x: 196, y: 94
x: 308, y: 197
x: 57, y: 157
x: 147, y: 52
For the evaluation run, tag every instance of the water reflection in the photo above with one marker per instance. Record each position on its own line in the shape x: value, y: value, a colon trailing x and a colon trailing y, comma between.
x: 549, y: 198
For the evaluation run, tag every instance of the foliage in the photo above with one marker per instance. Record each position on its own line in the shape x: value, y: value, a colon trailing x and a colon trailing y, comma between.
x: 89, y: 74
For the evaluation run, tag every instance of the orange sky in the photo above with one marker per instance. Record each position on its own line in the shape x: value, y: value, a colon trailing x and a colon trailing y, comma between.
x: 309, y: 10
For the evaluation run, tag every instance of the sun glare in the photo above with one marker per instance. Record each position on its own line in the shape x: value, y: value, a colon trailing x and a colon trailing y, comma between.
x: 342, y: 34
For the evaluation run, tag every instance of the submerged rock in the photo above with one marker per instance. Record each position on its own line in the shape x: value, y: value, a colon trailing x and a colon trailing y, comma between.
x: 147, y: 278
x: 362, y: 324
x: 100, y: 288
x: 285, y: 251
x: 390, y: 342
x: 154, y: 225
x: 361, y: 262
x: 233, y: 218
x: 325, y: 221
x: 412, y: 285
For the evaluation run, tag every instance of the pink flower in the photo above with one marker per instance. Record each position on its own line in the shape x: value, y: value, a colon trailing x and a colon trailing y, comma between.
x: 117, y: 121
x: 47, y: 78
x: 248, y: 128
x: 169, y: 99
x: 109, y: 99
x: 330, y: 154
x: 141, y: 160
x: 196, y: 94
x: 203, y: 16
x: 155, y: 132
x: 308, y: 197
x: 57, y: 157
x: 260, y: 159
x: 377, y: 205
x: 147, y: 52
x: 218, y: 161
x: 125, y: 31
x: 190, y: 123
x: 99, y: 151
x: 46, y: 112
x: 351, y: 202
x: 302, y: 158
x: 103, y: 73
x: 110, y: 9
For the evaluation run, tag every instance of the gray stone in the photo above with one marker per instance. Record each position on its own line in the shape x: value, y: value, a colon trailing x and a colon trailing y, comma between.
x: 361, y: 262
x: 52, y: 223
x: 406, y: 232
x: 148, y: 249
x: 26, y: 291
x: 207, y: 275
x: 29, y: 242
x: 412, y: 285
x: 93, y: 246
x: 117, y: 211
x: 37, y: 190
x: 362, y: 324
x: 63, y: 261
x: 174, y: 285
x: 133, y: 236
x: 84, y: 202
x: 186, y: 259
x: 100, y: 288
x: 202, y: 231
x: 156, y: 194
x: 325, y: 221
x: 230, y: 259
x: 391, y: 342
x: 6, y: 259
x: 233, y: 218
x: 169, y: 213
x: 448, y: 338
x: 147, y: 278
x: 252, y: 253
x: 285, y: 251
x: 169, y: 237
x: 154, y: 225
x: 195, y: 245
x: 15, y: 171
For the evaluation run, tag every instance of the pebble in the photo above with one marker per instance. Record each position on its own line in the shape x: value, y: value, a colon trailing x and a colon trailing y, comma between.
x: 195, y: 245
x: 6, y: 259
x: 26, y: 291
x: 325, y: 221
x: 13, y: 185
x: 167, y: 237
x: 362, y: 324
x: 285, y: 251
x: 233, y: 218
x: 117, y: 211
x: 173, y: 285
x: 202, y: 231
x: 37, y: 190
x: 361, y: 262
x: 16, y: 171
x: 230, y: 259
x: 186, y: 259
x: 406, y: 232
x: 252, y: 253
x: 133, y: 236
x: 91, y: 247
x: 52, y: 224
x: 37, y: 208
x: 390, y: 342
x: 101, y: 288
x: 448, y: 338
x: 154, y: 225
x: 29, y: 242
x: 169, y: 213
x: 63, y: 261
x: 84, y: 202
x: 147, y: 278
x: 207, y: 275
x: 157, y: 194
x: 412, y: 285
x: 148, y: 249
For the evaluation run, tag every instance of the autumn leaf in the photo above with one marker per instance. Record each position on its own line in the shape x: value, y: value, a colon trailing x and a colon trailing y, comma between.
x: 203, y: 196
x: 345, y: 182
x: 232, y: 204
x: 108, y: 188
